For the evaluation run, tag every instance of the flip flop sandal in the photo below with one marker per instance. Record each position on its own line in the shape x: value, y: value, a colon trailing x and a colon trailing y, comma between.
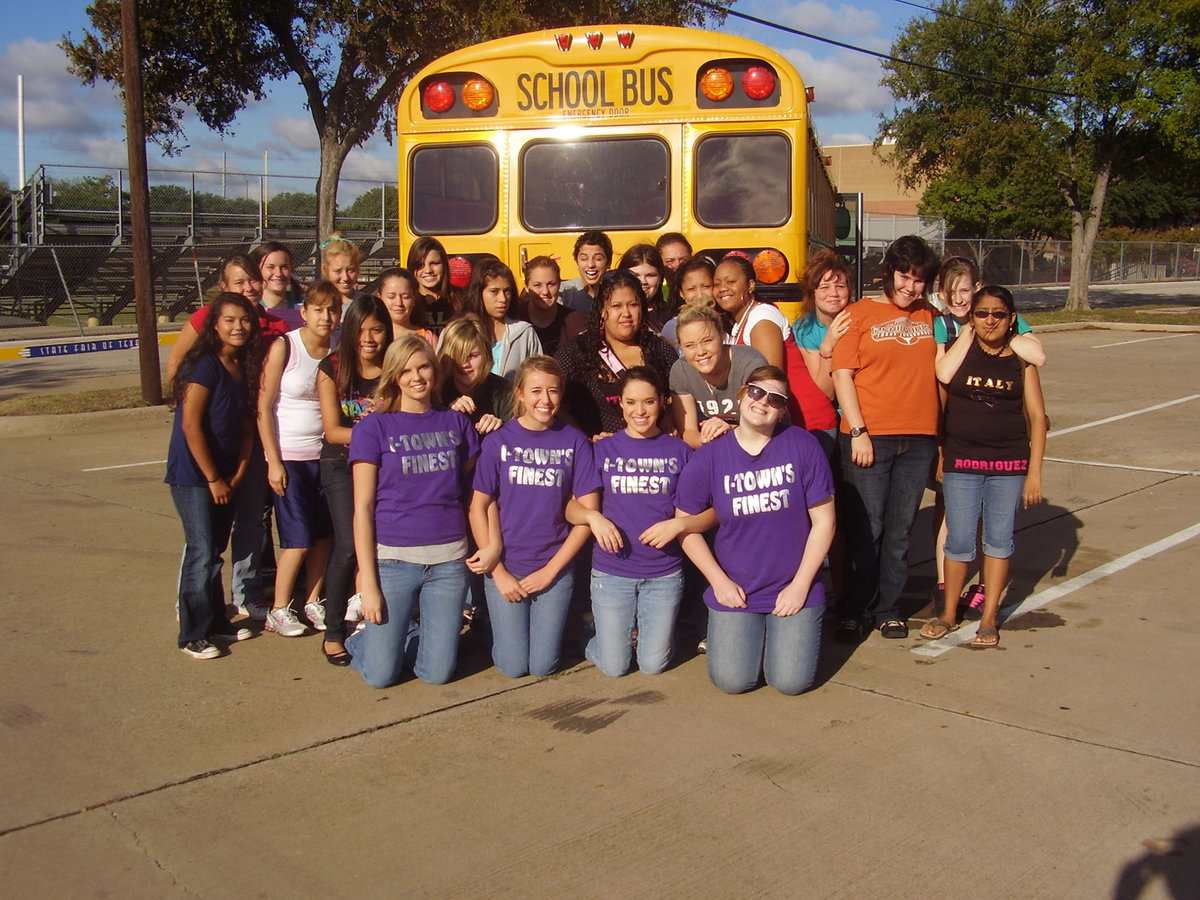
x: 942, y: 628
x: 986, y: 633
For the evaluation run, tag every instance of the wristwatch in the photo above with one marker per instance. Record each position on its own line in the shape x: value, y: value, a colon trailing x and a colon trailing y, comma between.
x: 855, y: 432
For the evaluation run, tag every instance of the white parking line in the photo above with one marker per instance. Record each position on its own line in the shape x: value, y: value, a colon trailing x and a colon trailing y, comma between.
x: 1104, y: 465
x: 153, y: 462
x: 1040, y: 599
x: 1136, y: 412
x: 1165, y: 337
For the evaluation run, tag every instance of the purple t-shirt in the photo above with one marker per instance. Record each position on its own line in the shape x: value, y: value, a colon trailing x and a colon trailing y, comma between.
x: 639, y: 478
x: 421, y: 498
x: 532, y: 475
x: 762, y: 509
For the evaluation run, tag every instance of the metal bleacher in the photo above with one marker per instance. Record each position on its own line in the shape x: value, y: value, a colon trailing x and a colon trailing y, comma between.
x: 54, y: 261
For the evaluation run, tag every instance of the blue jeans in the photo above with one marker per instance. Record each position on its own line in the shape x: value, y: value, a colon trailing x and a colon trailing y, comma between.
x: 745, y: 646
x: 379, y: 652
x: 876, y: 509
x: 620, y: 603
x: 338, y: 485
x: 252, y: 550
x: 967, y: 495
x: 206, y: 528
x: 527, y: 635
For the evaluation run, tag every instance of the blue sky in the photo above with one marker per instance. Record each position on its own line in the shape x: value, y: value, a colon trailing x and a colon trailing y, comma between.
x: 67, y: 123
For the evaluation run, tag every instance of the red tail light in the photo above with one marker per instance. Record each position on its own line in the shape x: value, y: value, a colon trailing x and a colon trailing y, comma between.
x: 438, y: 96
x: 758, y: 82
x: 460, y: 271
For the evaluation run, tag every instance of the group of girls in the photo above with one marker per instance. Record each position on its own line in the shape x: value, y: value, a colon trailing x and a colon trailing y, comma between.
x: 915, y: 401
x: 488, y: 457
x: 278, y: 446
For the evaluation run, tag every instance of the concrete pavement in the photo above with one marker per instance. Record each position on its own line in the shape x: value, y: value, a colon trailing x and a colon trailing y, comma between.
x: 1063, y: 764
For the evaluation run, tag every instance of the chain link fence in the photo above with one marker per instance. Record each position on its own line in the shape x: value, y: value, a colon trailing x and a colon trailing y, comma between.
x: 65, y: 249
x: 1024, y: 263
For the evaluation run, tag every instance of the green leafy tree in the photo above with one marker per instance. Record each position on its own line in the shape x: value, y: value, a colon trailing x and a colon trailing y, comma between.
x: 89, y: 193
x: 352, y: 57
x: 292, y: 205
x: 1081, y: 95
x: 371, y: 205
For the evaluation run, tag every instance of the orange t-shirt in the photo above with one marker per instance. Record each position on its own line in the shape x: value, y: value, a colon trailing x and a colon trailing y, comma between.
x: 892, y: 352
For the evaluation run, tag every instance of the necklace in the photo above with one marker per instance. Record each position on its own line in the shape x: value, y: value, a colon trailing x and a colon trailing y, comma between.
x: 984, y: 348
x: 741, y: 322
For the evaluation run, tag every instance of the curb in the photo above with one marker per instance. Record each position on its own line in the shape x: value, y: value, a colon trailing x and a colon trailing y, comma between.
x: 82, y: 423
x: 1114, y: 326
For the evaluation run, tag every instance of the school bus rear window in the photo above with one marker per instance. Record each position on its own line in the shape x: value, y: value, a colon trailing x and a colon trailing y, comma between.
x: 454, y: 189
x: 600, y: 183
x: 743, y: 180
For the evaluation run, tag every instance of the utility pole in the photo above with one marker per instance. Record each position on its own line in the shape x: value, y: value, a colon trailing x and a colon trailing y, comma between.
x: 139, y: 205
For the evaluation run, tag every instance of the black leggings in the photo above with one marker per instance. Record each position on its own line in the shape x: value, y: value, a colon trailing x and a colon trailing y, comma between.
x: 338, y: 485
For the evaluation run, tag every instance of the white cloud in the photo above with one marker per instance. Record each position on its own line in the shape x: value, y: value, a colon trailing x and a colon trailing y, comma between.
x: 841, y: 138
x: 55, y: 100
x: 843, y: 20
x: 367, y: 164
x: 845, y: 83
x: 291, y: 136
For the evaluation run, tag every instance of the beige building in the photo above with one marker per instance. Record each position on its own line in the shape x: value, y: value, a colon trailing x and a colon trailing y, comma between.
x: 857, y: 169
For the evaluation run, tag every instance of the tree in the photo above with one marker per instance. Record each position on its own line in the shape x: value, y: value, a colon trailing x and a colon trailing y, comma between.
x: 375, y: 205
x: 1080, y: 94
x: 352, y: 57
x: 292, y: 205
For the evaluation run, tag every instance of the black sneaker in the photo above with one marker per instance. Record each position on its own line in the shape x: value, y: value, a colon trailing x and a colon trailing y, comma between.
x: 851, y: 631
x: 894, y: 629
x: 200, y: 650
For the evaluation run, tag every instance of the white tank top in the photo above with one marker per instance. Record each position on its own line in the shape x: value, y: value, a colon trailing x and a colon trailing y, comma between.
x: 297, y: 410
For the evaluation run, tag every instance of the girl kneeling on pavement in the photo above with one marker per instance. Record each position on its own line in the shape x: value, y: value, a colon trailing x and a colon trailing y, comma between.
x: 771, y: 488
x: 211, y: 439
x: 412, y: 462
x: 529, y: 470
x: 637, y: 564
x: 995, y: 436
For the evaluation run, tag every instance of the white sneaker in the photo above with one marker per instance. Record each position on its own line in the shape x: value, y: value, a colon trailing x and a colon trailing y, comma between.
x: 284, y: 622
x: 230, y: 633
x: 315, y: 613
x: 354, y: 609
x: 200, y: 650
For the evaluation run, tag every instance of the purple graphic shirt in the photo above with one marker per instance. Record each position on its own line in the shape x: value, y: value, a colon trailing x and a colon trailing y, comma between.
x: 532, y: 475
x: 639, y: 478
x: 762, y: 509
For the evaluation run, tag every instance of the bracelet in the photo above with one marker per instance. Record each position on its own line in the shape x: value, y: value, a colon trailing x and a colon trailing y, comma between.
x: 823, y: 356
x: 214, y: 480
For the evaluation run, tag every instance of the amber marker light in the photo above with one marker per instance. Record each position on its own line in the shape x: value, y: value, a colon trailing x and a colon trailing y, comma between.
x: 438, y: 96
x: 716, y: 84
x: 770, y: 266
x: 478, y: 94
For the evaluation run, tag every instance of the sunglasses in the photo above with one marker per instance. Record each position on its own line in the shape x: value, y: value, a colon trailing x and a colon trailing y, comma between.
x: 991, y: 314
x: 775, y: 400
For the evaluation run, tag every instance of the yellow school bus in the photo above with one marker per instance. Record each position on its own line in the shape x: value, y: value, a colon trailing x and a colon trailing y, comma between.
x: 516, y: 146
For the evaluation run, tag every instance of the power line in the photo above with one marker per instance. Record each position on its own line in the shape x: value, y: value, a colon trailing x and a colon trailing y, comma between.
x: 947, y: 13
x: 884, y: 56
